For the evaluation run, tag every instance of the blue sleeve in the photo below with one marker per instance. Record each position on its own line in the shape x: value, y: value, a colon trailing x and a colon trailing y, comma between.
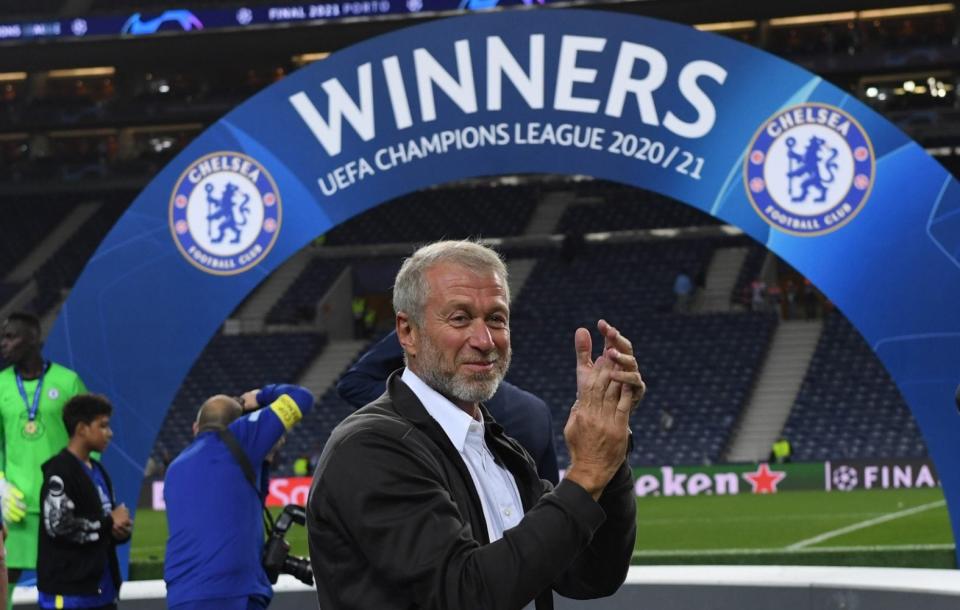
x: 366, y: 380
x: 300, y: 395
x: 259, y: 431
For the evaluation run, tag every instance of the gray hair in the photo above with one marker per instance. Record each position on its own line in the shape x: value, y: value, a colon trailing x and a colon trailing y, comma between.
x: 410, y: 287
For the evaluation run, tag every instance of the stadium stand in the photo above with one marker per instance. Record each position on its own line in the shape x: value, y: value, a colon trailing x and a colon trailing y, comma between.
x: 748, y: 272
x: 31, y: 9
x: 28, y: 221
x: 862, y: 36
x: 428, y: 215
x: 848, y: 407
x: 700, y: 367
x: 61, y: 270
x: 298, y: 303
x: 619, y: 210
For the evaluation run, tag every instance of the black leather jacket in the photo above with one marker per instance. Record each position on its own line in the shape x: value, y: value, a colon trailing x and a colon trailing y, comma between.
x: 395, y: 522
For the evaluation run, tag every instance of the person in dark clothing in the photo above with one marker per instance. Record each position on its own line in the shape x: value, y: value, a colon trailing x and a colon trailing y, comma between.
x: 524, y: 416
x: 421, y: 501
x: 82, y: 523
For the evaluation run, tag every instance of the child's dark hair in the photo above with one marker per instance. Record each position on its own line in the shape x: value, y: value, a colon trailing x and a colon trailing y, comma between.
x: 84, y: 408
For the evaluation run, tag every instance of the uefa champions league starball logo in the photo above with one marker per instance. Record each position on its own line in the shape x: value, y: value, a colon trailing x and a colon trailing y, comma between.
x: 845, y: 478
x: 809, y: 169
x: 225, y: 213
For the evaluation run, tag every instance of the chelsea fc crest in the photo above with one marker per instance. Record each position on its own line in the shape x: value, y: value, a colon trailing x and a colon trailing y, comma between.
x: 809, y: 169
x: 225, y: 213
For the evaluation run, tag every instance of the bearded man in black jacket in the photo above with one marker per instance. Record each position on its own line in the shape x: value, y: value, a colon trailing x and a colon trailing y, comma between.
x: 421, y: 501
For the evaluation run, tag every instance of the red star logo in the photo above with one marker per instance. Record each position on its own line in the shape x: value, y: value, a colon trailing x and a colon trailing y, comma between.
x: 764, y: 481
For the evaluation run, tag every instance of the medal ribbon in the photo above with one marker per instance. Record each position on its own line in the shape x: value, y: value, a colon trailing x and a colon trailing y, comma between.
x: 32, y: 408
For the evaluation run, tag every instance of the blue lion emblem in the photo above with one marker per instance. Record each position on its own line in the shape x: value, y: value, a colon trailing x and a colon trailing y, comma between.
x: 807, y: 166
x: 226, y: 214
x: 809, y: 169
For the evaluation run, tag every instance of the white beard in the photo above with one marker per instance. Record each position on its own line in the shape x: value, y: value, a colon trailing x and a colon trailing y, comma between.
x: 478, y: 387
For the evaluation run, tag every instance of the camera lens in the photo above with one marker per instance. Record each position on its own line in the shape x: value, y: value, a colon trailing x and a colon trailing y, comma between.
x: 298, y: 568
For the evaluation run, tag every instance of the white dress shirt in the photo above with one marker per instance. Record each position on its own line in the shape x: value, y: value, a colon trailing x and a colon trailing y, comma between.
x: 495, y: 484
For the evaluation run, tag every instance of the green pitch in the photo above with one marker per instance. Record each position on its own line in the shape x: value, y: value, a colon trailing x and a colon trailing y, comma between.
x: 906, y: 527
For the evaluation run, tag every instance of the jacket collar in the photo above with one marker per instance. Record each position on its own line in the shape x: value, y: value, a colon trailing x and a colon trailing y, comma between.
x: 454, y: 420
x: 506, y: 450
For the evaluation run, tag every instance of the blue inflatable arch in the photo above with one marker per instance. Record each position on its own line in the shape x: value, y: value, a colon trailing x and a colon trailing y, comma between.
x: 799, y: 165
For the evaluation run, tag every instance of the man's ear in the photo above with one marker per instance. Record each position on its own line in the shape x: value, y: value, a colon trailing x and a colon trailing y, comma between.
x: 196, y: 428
x: 407, y: 334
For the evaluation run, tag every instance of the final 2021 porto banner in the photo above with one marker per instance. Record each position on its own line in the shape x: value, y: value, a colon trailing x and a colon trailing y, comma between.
x: 801, y: 166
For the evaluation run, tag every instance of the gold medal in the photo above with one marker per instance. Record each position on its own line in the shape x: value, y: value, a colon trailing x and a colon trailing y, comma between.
x: 30, y: 428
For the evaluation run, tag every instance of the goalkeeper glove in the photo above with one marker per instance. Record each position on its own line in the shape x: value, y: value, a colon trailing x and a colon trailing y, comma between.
x: 11, y: 501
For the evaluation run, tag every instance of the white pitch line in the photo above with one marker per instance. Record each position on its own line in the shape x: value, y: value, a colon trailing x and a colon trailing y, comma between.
x: 781, y: 550
x: 863, y: 524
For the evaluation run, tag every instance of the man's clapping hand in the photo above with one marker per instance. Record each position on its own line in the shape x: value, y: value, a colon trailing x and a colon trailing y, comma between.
x: 608, y: 390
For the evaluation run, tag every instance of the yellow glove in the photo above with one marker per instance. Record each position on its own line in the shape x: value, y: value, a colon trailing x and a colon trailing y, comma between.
x: 11, y: 501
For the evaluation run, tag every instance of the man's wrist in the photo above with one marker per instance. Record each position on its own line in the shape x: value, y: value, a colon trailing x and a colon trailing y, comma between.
x: 591, y: 483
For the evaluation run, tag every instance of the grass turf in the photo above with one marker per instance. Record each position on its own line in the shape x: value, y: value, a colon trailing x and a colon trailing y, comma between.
x: 903, y: 528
